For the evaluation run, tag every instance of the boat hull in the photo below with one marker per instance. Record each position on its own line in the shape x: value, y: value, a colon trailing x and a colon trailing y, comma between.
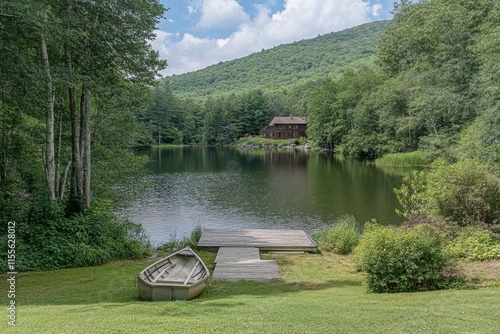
x: 170, y: 292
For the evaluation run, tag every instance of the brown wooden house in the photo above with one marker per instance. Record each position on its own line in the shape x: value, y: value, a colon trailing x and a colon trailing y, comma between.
x: 285, y: 128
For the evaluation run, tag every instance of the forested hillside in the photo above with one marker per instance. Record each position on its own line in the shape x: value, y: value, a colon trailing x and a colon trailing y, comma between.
x: 432, y: 86
x: 285, y: 65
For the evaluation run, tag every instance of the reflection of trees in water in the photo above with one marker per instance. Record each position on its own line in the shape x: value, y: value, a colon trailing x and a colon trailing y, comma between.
x: 234, y: 188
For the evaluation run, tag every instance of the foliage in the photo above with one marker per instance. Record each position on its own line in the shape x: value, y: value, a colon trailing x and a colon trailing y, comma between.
x: 403, y: 260
x: 465, y: 193
x: 176, y: 244
x: 415, y: 158
x: 474, y: 244
x: 51, y: 240
x: 412, y: 196
x: 341, y: 238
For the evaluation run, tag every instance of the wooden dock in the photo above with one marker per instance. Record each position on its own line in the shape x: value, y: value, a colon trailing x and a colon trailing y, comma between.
x: 238, y: 256
x: 264, y: 240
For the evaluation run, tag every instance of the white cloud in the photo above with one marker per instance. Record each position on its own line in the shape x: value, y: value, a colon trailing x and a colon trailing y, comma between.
x: 218, y: 13
x: 376, y: 9
x: 160, y: 43
x: 298, y: 20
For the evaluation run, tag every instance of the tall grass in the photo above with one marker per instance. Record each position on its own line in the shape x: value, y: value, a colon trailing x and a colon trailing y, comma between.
x: 415, y: 158
x: 270, y: 143
x: 341, y: 237
x: 176, y: 244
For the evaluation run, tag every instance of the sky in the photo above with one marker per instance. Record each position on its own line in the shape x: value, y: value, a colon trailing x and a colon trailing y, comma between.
x: 199, y: 33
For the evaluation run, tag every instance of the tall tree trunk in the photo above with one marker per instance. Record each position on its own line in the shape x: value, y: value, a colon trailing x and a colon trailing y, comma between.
x: 76, y: 190
x: 85, y: 137
x: 49, y: 132
x: 58, y: 151
x: 75, y: 201
x: 62, y: 181
x: 3, y: 147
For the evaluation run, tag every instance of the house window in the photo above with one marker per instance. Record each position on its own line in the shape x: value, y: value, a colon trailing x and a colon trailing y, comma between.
x: 295, y: 134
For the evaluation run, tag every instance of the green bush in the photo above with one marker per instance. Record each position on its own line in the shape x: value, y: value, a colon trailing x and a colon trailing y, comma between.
x: 412, y: 196
x: 341, y: 237
x: 51, y: 240
x: 466, y: 193
x: 403, y: 260
x: 475, y: 245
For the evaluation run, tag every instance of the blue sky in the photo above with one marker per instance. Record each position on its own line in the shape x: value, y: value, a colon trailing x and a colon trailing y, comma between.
x: 200, y: 33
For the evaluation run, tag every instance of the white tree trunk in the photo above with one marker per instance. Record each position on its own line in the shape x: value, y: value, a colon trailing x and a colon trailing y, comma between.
x: 49, y: 132
x: 85, y: 141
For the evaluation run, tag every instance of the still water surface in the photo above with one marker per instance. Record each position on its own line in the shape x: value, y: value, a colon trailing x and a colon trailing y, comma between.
x: 236, y: 188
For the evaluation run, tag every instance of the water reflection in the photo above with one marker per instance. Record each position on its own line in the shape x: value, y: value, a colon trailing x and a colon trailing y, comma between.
x: 236, y: 188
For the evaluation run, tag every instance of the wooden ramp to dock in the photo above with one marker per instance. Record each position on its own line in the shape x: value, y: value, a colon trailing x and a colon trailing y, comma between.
x: 238, y: 256
x: 244, y: 263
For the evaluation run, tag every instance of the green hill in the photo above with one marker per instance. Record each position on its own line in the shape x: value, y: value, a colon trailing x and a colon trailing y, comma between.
x: 285, y: 65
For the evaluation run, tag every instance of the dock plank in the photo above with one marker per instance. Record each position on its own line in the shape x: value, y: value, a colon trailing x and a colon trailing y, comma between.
x: 237, y: 254
x: 244, y: 263
x: 254, y: 271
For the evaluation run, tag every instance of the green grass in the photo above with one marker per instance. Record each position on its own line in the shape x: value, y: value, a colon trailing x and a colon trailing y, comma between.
x: 320, y: 294
x: 415, y: 158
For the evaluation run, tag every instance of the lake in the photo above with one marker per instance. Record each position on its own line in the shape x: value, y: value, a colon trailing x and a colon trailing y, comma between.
x: 267, y: 189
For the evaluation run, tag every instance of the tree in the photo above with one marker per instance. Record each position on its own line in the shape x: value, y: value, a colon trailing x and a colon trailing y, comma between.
x: 55, y: 52
x: 253, y: 113
x: 103, y: 42
x: 322, y: 115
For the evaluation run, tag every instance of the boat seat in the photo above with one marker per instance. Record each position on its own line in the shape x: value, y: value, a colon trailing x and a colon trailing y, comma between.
x: 173, y: 280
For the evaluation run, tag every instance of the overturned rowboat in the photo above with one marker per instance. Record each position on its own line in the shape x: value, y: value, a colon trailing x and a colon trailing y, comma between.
x: 180, y: 276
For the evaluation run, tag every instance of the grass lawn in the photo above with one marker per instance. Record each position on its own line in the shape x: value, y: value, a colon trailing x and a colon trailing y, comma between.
x: 320, y: 294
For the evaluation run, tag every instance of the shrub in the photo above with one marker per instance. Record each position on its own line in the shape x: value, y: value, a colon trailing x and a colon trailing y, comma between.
x: 341, y: 237
x: 466, y: 193
x: 412, y: 196
x: 403, y: 260
x: 51, y: 240
x: 475, y: 245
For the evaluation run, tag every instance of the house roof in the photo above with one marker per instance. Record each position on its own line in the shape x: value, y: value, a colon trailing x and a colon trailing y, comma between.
x: 288, y: 120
